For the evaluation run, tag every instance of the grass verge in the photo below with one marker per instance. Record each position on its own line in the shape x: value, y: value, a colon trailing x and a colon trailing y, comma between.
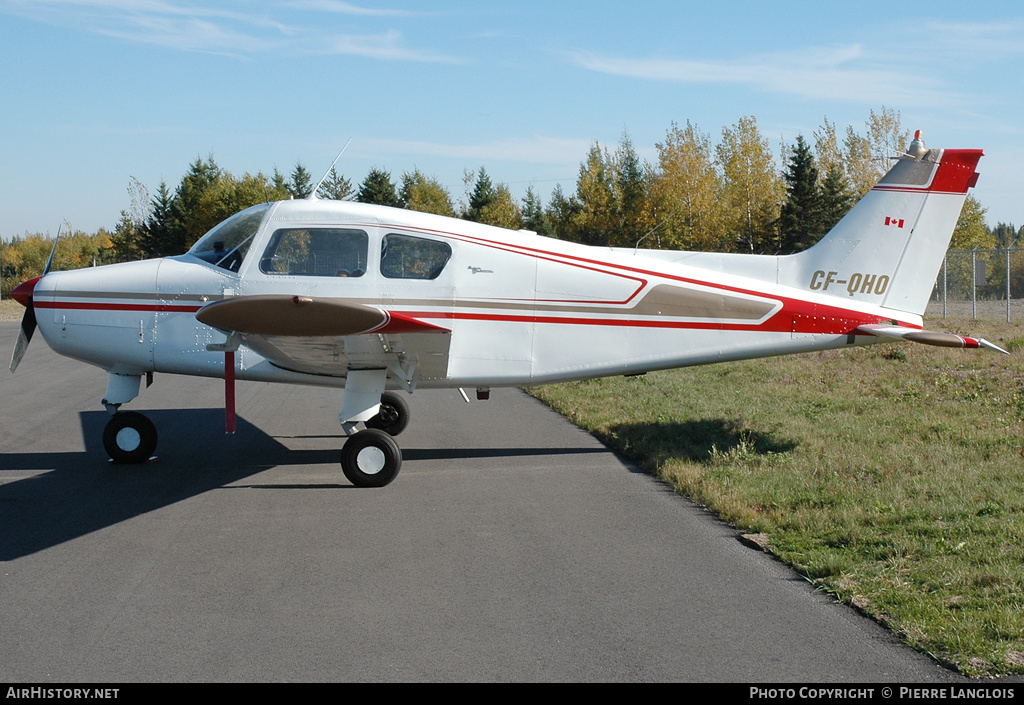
x: 888, y: 476
x: 11, y: 310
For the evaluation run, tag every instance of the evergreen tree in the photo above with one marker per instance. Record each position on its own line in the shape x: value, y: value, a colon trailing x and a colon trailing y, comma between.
x: 534, y: 217
x: 279, y: 185
x: 158, y: 234
x: 481, y: 198
x: 127, y: 239
x: 801, y: 217
x: 194, y: 208
x: 335, y: 187
x: 300, y: 185
x: 561, y: 213
x: 836, y: 199
x: 378, y: 188
x: 631, y: 207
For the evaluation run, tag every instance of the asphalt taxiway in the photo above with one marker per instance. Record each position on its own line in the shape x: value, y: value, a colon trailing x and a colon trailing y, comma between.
x: 511, y: 547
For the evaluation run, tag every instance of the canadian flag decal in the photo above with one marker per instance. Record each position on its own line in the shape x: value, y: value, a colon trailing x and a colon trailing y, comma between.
x: 894, y: 221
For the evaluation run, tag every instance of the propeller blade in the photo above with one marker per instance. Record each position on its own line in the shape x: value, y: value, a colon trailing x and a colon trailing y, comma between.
x: 28, y: 327
x: 53, y: 250
x: 23, y: 295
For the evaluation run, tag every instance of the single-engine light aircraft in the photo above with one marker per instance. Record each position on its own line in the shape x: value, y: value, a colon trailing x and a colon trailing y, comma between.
x: 378, y: 300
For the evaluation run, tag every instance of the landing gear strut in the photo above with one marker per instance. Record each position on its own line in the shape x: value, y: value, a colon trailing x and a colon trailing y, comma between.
x: 129, y: 437
x: 372, y: 458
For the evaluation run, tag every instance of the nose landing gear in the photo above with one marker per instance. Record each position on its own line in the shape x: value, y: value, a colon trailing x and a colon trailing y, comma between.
x: 129, y: 437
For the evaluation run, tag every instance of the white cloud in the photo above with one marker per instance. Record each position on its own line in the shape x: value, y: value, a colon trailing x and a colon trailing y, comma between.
x: 843, y: 73
x: 389, y: 46
x: 196, y: 27
x: 978, y: 41
x: 347, y: 8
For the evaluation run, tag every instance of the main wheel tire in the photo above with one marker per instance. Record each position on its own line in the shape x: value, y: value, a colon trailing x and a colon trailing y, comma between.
x: 129, y: 437
x: 393, y: 416
x: 371, y: 458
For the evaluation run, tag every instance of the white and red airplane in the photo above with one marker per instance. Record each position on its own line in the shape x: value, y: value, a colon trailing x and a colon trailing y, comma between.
x: 376, y: 299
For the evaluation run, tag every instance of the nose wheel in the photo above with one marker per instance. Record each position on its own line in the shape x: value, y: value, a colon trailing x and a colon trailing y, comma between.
x: 371, y: 458
x: 129, y: 438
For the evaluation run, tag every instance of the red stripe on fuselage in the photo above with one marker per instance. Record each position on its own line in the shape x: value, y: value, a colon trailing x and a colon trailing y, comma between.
x: 90, y: 306
x: 779, y: 323
x: 834, y: 321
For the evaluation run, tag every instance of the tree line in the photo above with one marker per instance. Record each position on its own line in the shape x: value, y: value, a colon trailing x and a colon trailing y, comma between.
x: 727, y: 196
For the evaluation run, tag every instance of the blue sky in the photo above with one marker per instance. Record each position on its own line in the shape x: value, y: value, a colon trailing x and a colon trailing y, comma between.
x: 95, y: 92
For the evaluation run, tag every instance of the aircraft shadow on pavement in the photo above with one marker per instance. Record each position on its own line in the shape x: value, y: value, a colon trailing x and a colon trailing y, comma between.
x: 695, y: 440
x: 82, y: 492
x: 79, y: 492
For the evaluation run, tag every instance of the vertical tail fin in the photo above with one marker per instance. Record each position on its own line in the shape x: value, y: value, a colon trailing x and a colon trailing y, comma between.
x: 888, y: 249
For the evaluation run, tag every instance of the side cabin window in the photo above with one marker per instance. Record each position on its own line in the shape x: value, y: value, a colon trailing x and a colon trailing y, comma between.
x: 409, y: 257
x: 316, y: 252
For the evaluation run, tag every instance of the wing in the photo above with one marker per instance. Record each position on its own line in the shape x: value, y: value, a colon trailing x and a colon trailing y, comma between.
x: 928, y: 337
x: 330, y: 337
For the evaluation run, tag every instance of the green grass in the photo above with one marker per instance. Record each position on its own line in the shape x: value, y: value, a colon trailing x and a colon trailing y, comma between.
x: 891, y: 476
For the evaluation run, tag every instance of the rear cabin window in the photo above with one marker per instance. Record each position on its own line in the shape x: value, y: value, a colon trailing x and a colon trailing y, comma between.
x: 316, y: 252
x: 408, y: 257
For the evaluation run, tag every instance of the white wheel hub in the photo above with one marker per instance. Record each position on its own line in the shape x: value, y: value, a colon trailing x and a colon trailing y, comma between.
x: 128, y: 439
x: 370, y: 460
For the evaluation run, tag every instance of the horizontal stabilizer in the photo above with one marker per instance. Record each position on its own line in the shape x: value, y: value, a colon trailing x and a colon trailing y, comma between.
x: 945, y: 340
x: 282, y: 315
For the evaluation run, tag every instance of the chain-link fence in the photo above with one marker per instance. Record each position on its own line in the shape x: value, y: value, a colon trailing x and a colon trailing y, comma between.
x: 980, y: 284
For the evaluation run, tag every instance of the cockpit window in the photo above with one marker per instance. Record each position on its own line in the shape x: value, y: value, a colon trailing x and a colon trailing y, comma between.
x: 316, y: 252
x: 408, y: 257
x: 226, y: 245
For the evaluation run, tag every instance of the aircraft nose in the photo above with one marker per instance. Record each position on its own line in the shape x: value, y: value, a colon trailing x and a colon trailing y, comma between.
x: 23, y: 292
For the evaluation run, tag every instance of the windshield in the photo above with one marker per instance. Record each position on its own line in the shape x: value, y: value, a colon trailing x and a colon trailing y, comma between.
x: 226, y: 245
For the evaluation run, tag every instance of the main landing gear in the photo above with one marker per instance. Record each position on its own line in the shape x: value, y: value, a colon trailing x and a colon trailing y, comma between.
x: 371, y: 458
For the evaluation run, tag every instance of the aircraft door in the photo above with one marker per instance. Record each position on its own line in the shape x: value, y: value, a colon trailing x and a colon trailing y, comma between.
x: 416, y: 278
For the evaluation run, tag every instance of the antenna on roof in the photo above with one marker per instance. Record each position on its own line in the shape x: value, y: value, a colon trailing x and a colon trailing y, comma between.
x: 312, y: 195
